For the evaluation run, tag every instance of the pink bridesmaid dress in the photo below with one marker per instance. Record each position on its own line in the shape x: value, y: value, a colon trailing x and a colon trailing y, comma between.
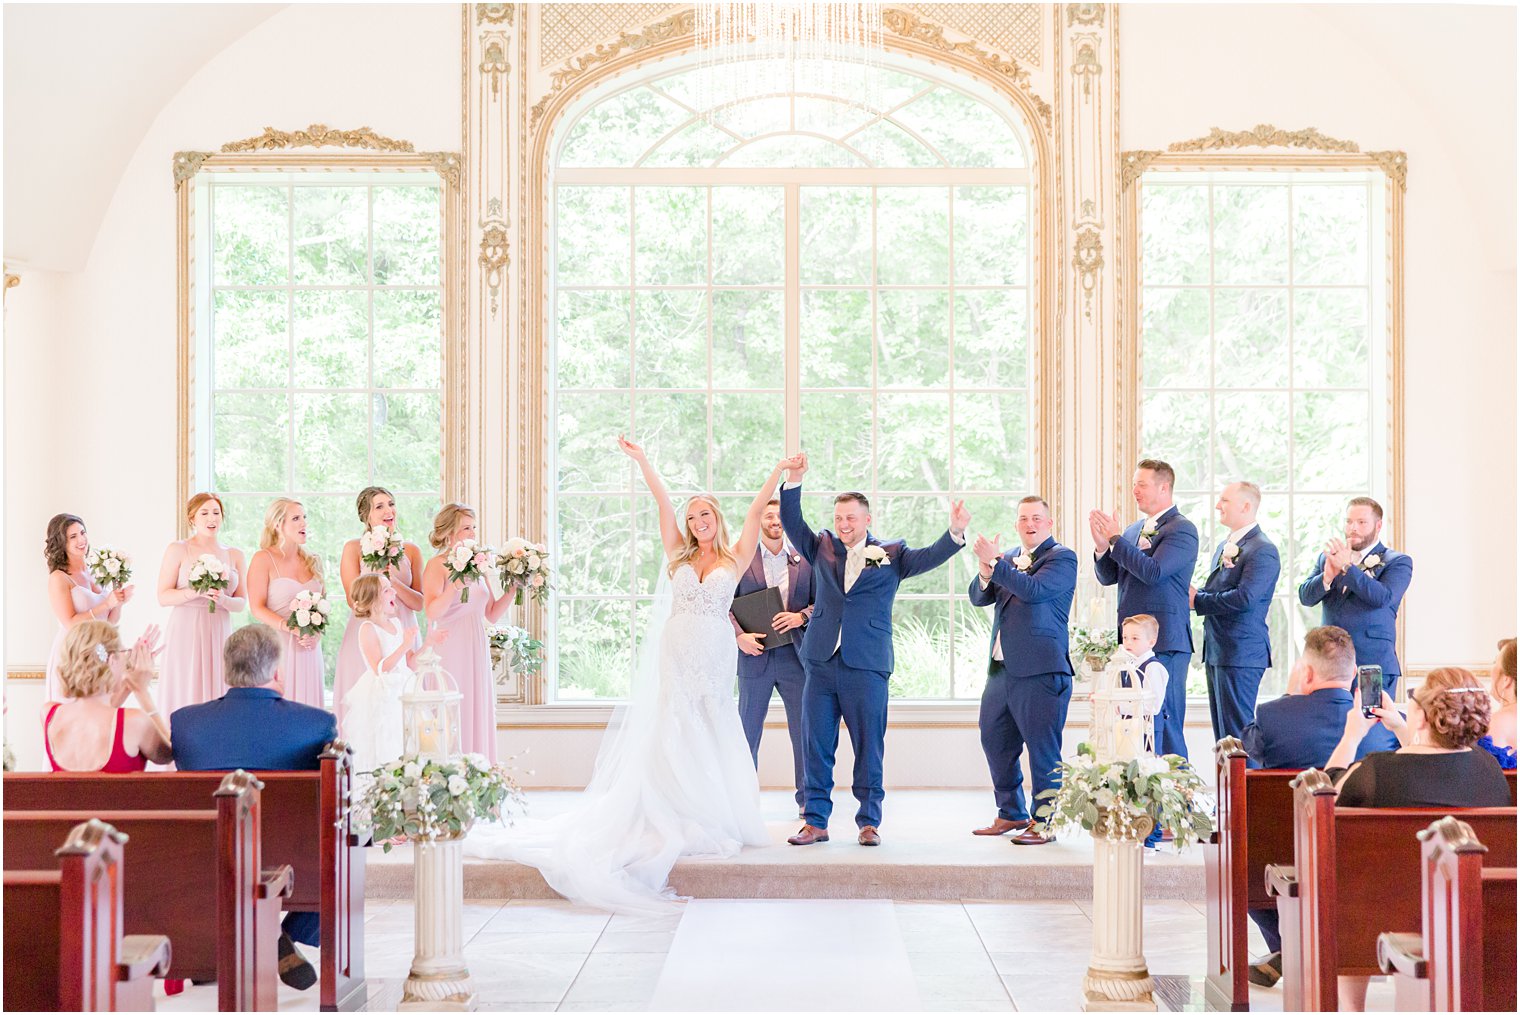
x: 300, y: 668
x: 350, y: 666
x: 190, y: 668
x: 85, y: 599
x: 467, y: 658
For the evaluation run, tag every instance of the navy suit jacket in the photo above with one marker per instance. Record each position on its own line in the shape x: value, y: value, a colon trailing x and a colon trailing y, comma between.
x: 864, y: 616
x: 1234, y: 601
x: 251, y: 728
x: 1030, y: 609
x: 1365, y: 605
x: 1155, y: 581
x: 799, y: 596
x: 1300, y: 730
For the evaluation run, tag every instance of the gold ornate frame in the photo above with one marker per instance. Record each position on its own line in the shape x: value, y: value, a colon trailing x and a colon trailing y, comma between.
x: 272, y: 151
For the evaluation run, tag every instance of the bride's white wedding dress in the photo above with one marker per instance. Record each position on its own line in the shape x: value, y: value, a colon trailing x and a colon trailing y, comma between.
x: 674, y: 776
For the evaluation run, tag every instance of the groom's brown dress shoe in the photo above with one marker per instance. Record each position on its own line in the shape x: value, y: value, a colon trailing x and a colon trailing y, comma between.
x: 807, y: 835
x: 1001, y: 825
x: 869, y: 836
x: 1032, y: 837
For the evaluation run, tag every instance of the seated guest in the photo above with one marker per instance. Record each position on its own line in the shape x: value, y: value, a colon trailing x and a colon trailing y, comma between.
x: 1299, y: 730
x: 90, y: 731
x: 1500, y: 738
x: 1435, y: 765
x: 253, y: 727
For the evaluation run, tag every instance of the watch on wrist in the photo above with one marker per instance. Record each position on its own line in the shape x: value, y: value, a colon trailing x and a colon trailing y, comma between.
x: 1112, y: 540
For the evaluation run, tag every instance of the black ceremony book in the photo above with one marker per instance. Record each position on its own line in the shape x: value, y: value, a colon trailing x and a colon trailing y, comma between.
x: 755, y: 613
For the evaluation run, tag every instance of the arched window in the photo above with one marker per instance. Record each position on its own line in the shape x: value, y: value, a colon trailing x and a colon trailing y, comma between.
x: 801, y: 269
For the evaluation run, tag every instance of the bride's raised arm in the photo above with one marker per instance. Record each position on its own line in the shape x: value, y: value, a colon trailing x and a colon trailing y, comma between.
x: 670, y: 532
x: 749, y: 538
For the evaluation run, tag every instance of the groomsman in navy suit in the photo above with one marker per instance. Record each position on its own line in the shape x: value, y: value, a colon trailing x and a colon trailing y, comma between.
x: 1029, y: 676
x: 763, y: 671
x: 847, y: 648
x: 1152, y: 563
x: 1359, y: 583
x: 1233, y: 604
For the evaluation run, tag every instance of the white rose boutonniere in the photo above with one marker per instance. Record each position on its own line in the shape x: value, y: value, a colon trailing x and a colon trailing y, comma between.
x: 1228, y: 554
x: 875, y: 556
x: 1370, y: 563
x: 1023, y: 562
x: 1147, y: 534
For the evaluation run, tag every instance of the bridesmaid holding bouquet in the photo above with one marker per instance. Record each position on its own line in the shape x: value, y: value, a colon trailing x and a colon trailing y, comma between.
x: 202, y: 581
x: 281, y: 570
x: 74, y: 595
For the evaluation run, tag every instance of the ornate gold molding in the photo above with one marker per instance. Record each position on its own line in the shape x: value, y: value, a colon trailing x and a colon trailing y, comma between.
x: 1084, y: 14
x: 446, y: 164
x: 494, y: 14
x: 494, y: 64
x: 1395, y: 164
x: 11, y: 281
x: 494, y: 251
x: 187, y: 164
x: 318, y: 135
x: 678, y: 25
x: 1263, y: 135
x: 910, y: 26
x: 1134, y: 164
x: 1088, y: 261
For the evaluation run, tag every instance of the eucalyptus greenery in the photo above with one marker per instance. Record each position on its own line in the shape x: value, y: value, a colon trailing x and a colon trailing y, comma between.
x: 423, y: 798
x: 525, y: 652
x: 1095, y: 643
x: 1165, y: 789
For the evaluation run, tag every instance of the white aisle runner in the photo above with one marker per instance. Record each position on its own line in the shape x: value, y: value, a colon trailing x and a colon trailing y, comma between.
x: 787, y: 955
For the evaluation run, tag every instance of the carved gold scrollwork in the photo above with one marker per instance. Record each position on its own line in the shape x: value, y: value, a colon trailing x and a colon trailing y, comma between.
x: 1088, y: 261
x: 493, y: 63
x: 1263, y: 135
x: 1135, y: 163
x: 318, y: 135
x: 1084, y: 14
x: 910, y: 26
x: 494, y: 14
x: 187, y: 164
x: 494, y: 251
x: 680, y: 24
x: 1085, y: 63
x: 446, y: 165
x: 1395, y: 164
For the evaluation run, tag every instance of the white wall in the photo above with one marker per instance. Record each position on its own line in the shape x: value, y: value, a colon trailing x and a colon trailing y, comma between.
x: 1438, y: 83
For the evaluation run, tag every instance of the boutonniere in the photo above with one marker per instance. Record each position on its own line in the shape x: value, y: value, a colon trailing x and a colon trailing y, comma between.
x: 796, y: 558
x: 1146, y: 535
x: 1024, y: 561
x: 875, y: 556
x: 1370, y: 563
x: 1228, y: 554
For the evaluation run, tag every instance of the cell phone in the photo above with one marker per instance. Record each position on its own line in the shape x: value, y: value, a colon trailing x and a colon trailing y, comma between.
x: 1370, y: 680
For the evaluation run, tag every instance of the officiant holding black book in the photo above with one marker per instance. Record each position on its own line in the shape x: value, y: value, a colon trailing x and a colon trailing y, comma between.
x: 771, y: 606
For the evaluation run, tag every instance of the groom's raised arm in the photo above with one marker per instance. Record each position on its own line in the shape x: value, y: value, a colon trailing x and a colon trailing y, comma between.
x: 803, y: 539
x: 917, y: 560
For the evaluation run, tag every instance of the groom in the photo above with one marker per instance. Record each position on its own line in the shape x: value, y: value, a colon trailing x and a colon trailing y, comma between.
x: 847, y: 648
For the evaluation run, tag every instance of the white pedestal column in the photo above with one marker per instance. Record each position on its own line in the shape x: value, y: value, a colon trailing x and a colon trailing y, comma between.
x: 440, y: 980
x: 1117, y: 978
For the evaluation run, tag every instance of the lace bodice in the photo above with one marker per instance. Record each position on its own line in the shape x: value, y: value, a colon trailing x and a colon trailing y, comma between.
x: 709, y: 598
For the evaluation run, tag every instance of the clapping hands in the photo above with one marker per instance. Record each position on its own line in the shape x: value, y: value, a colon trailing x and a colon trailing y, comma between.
x: 986, y: 550
x: 1337, y: 558
x: 960, y: 518
x: 1104, y: 528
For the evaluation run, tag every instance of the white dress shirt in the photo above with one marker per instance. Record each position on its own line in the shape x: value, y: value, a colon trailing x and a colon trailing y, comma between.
x: 777, y: 574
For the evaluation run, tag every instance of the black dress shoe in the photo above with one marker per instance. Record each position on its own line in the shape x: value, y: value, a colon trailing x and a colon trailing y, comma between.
x: 295, y: 971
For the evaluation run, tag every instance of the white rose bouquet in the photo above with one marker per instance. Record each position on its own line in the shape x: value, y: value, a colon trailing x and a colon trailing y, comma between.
x: 466, y: 563
x: 109, y: 567
x: 308, y: 614
x: 207, y: 572
x: 524, y: 567
x: 424, y: 798
x: 1119, y: 797
x: 380, y: 548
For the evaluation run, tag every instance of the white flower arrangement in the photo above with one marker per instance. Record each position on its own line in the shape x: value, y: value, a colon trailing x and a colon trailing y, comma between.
x: 465, y: 563
x: 518, y: 646
x: 1370, y: 563
x: 875, y: 556
x: 380, y: 548
x: 207, y: 572
x: 109, y: 567
x: 423, y: 798
x: 1228, y: 554
x: 524, y: 567
x: 1107, y: 798
x: 1147, y: 536
x: 1024, y: 562
x: 308, y: 613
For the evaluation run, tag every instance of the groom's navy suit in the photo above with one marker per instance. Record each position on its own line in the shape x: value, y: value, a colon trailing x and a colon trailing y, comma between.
x: 1365, y: 605
x: 777, y: 669
x: 1029, y: 689
x: 1155, y: 581
x: 1236, y: 646
x: 847, y: 653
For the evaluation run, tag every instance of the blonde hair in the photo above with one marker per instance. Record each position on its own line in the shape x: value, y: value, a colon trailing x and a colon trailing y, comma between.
x: 690, y: 548
x: 1144, y: 621
x: 83, y: 668
x: 274, y: 539
x: 194, y: 505
x: 364, y: 594
x: 445, y: 522
x: 1504, y: 683
x: 1456, y: 707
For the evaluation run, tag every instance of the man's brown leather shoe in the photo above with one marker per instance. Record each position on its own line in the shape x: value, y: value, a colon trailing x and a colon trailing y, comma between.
x: 1031, y: 837
x: 807, y: 835
x: 869, y: 836
x: 1001, y: 825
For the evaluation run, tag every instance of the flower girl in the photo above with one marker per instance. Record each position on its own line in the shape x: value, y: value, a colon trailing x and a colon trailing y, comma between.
x: 372, y: 707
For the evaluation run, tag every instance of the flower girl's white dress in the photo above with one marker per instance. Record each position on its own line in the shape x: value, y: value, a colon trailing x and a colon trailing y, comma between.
x: 372, y: 707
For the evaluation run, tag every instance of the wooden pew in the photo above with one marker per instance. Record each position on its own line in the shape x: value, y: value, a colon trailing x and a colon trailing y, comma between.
x: 195, y: 875
x: 1463, y: 959
x: 306, y: 826
x: 1351, y: 878
x: 1254, y: 828
x: 64, y: 950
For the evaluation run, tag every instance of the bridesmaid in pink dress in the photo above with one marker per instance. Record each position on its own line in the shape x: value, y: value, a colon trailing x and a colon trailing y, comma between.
x: 281, y: 568
x: 190, y: 670
x: 72, y: 593
x: 466, y: 654
x: 376, y: 506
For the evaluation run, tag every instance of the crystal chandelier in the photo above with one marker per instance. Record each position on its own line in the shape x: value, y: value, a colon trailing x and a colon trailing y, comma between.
x: 755, y: 49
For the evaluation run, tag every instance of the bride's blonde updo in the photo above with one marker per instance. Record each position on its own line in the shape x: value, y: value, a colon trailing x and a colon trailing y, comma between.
x: 691, y: 549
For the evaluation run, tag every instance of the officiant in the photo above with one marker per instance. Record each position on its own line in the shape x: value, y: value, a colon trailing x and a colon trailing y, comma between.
x: 768, y: 659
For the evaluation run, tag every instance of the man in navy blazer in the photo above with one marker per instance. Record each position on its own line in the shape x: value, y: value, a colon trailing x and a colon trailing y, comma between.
x: 253, y: 727
x: 1233, y: 604
x: 765, y: 671
x: 1029, y: 675
x: 1359, y: 584
x: 1152, y: 562
x: 847, y: 648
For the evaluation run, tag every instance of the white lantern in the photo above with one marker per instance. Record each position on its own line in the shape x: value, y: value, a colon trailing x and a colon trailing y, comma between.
x: 430, y: 710
x: 1123, y: 727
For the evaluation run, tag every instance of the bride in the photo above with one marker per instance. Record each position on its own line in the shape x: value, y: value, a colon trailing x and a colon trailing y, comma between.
x: 674, y: 776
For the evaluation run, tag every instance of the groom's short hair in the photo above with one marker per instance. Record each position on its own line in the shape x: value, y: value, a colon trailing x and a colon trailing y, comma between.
x: 1035, y: 498
x: 853, y: 495
x: 773, y: 502
x: 1163, y: 471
